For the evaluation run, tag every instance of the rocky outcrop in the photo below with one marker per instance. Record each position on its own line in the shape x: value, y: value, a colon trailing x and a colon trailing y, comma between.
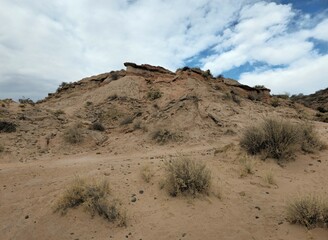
x: 135, y: 68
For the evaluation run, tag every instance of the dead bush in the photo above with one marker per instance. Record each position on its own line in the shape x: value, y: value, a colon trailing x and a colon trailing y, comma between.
x: 127, y: 120
x: 154, y: 94
x: 279, y: 139
x: 97, y: 126
x: 311, y: 141
x: 94, y: 197
x: 186, y: 176
x: 2, y: 148
x: 147, y: 173
x: 163, y: 136
x: 310, y: 211
x: 74, y: 134
x: 7, y: 127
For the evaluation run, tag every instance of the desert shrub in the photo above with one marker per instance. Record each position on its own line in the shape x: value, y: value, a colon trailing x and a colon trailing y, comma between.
x: 276, y: 138
x: 310, y: 139
x: 186, y: 176
x: 94, y: 196
x: 127, y: 120
x: 97, y: 126
x: 74, y: 134
x: 232, y: 96
x: 147, y: 173
x: 279, y: 139
x: 259, y: 86
x: 269, y: 178
x: 247, y: 166
x: 26, y: 101
x: 154, y: 94
x: 274, y: 102
x: 58, y: 112
x: 2, y: 148
x: 310, y: 211
x: 7, y: 127
x: 163, y: 136
x: 322, y: 109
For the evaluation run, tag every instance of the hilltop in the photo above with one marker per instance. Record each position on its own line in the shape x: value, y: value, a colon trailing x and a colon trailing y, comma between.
x: 115, y: 125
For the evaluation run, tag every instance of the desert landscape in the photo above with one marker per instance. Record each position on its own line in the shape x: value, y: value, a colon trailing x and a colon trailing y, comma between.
x: 131, y: 133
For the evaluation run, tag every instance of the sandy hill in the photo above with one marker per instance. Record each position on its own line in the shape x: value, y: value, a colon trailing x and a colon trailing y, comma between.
x: 317, y: 101
x: 115, y: 124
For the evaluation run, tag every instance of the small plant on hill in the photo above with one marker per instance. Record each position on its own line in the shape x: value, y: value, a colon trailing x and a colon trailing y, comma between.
x: 147, y: 173
x: 94, y: 197
x: 269, y: 178
x: 127, y: 120
x: 59, y: 112
x: 186, y: 176
x: 2, y: 148
x: 309, y: 211
x: 7, y: 127
x: 97, y: 126
x: 74, y: 134
x: 163, y: 136
x: 24, y: 100
x: 259, y: 86
x: 154, y: 94
x: 247, y: 166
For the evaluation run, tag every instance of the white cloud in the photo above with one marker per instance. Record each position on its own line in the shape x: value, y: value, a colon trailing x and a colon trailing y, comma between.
x: 263, y: 34
x: 56, y: 41
x: 66, y: 40
x: 304, y: 76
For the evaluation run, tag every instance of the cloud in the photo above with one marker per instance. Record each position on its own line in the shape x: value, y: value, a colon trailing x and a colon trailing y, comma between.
x: 43, y: 44
x: 267, y: 33
x: 304, y: 76
x: 67, y: 40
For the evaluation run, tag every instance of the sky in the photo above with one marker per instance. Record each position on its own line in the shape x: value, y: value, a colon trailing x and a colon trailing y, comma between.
x: 281, y: 44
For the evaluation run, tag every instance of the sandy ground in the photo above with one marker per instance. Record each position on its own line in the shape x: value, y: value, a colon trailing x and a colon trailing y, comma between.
x: 249, y: 208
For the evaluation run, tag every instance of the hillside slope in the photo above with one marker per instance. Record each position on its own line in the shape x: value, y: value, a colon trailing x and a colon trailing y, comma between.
x: 150, y: 116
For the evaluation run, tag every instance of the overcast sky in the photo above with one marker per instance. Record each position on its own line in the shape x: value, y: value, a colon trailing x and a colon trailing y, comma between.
x: 281, y: 44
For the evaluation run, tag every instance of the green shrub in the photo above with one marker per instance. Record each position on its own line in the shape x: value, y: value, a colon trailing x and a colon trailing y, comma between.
x: 185, y: 176
x: 310, y: 211
x: 74, y: 134
x: 154, y: 94
x: 279, y: 139
x: 94, y: 196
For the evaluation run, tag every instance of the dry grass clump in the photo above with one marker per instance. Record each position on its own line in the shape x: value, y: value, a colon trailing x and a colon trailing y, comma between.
x: 147, y: 173
x: 74, y: 134
x: 269, y: 178
x: 279, y: 139
x: 247, y: 166
x: 94, y: 197
x: 97, y: 126
x: 186, y: 176
x: 7, y: 127
x: 310, y: 211
x: 163, y: 136
x: 154, y: 94
x: 2, y: 148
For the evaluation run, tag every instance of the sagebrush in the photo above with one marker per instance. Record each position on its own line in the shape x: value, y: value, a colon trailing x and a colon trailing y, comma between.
x: 310, y: 211
x: 74, y: 134
x: 94, y: 196
x: 187, y: 176
x: 163, y: 136
x: 279, y: 138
